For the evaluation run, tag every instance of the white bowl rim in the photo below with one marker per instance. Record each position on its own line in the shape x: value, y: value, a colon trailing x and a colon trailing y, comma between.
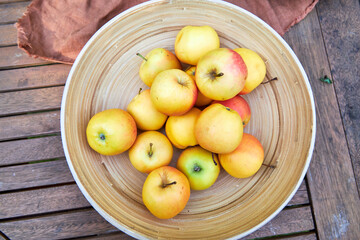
x: 108, y: 217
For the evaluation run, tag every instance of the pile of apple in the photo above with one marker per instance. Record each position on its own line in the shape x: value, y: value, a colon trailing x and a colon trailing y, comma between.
x: 199, y: 106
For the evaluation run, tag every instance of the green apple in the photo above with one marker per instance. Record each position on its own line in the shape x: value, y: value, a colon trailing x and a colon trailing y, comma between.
x: 200, y: 166
x: 156, y: 61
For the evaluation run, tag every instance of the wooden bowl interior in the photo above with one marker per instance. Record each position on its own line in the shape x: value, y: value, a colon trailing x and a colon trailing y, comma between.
x: 106, y: 76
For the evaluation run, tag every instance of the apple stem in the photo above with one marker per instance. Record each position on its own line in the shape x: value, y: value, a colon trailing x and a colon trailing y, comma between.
x: 219, y: 74
x: 270, y: 166
x: 212, y: 154
x: 138, y: 54
x: 168, y: 184
x: 197, y: 168
x: 150, y: 153
x: 102, y: 136
x: 275, y: 78
x: 140, y: 90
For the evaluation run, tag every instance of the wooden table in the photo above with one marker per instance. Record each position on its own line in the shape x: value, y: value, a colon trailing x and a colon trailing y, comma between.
x: 40, y: 200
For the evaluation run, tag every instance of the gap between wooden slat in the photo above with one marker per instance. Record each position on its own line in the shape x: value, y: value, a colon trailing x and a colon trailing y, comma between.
x: 88, y: 222
x: 30, y: 150
x: 331, y: 174
x: 11, y: 12
x: 34, y: 175
x: 13, y: 57
x: 29, y: 125
x: 8, y: 35
x: 33, y: 100
x: 34, y: 77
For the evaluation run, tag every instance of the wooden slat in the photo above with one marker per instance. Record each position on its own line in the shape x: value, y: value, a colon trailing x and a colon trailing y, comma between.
x: 35, y: 149
x: 12, y: 11
x: 330, y: 177
x: 301, y: 196
x: 20, y: 204
x: 310, y: 236
x: 30, y: 100
x: 12, y: 1
x: 85, y: 223
x: 343, y: 48
x: 12, y: 57
x: 8, y: 35
x: 287, y: 221
x: 43, y: 200
x: 29, y: 125
x: 34, y: 175
x: 33, y: 77
x: 111, y: 236
x: 58, y: 226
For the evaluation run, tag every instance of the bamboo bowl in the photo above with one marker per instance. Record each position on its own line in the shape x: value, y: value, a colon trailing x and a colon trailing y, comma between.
x: 105, y: 75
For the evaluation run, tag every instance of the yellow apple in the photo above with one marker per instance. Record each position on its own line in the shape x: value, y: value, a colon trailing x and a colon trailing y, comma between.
x: 201, y: 100
x: 151, y: 150
x: 156, y: 61
x: 219, y: 129
x: 166, y: 192
x: 200, y: 166
x: 245, y: 160
x: 192, y: 42
x: 256, y: 69
x: 173, y: 92
x: 180, y: 129
x: 220, y: 74
x: 146, y: 116
x: 111, y: 131
x: 240, y: 105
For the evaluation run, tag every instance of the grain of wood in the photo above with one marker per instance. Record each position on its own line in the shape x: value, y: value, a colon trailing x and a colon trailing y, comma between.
x: 288, y: 221
x: 12, y: 1
x: 111, y: 236
x: 29, y: 125
x: 44, y: 200
x: 8, y: 35
x: 34, y: 175
x: 28, y: 150
x: 343, y: 50
x: 330, y: 177
x: 301, y: 196
x: 19, y: 102
x: 303, y: 236
x: 33, y: 77
x: 10, y: 12
x: 58, y: 226
x: 13, y: 57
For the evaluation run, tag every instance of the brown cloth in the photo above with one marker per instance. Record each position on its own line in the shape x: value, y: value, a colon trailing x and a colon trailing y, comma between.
x: 56, y: 30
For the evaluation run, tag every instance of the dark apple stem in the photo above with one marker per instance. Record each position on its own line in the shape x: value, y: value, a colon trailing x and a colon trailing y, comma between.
x: 212, y: 154
x: 270, y: 166
x: 102, y: 136
x: 138, y: 54
x: 168, y: 184
x: 273, y: 79
x: 140, y: 90
x: 219, y: 74
x: 197, y: 169
x: 150, y: 153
